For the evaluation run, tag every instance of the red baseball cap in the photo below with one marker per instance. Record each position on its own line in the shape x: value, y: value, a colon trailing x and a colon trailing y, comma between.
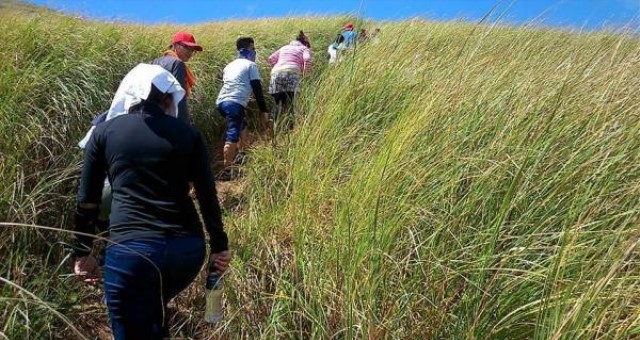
x: 348, y: 26
x: 186, y: 38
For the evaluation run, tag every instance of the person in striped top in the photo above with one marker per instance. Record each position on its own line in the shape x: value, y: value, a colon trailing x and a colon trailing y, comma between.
x: 290, y: 63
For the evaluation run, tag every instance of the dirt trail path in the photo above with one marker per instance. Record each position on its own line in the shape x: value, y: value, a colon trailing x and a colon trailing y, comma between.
x: 230, y: 192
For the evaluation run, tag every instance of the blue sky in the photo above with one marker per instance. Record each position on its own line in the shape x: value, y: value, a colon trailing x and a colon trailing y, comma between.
x: 589, y: 14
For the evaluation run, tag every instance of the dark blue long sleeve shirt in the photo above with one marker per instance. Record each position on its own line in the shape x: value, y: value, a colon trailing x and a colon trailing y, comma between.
x: 150, y: 158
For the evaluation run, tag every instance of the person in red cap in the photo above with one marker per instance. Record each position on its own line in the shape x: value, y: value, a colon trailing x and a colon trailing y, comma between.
x: 349, y: 36
x: 345, y: 40
x: 183, y: 46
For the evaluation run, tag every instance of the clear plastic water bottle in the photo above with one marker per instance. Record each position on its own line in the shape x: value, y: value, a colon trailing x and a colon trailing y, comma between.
x: 213, y: 286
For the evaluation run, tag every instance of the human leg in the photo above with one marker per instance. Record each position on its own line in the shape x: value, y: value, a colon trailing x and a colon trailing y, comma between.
x: 132, y: 280
x: 185, y: 257
x: 229, y: 153
x: 244, y: 134
x: 277, y: 108
x: 142, y: 276
x: 288, y: 108
x: 333, y: 54
x: 276, y: 111
x: 234, y: 117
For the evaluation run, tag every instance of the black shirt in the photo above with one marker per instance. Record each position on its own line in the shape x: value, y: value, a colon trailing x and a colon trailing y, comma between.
x: 179, y: 71
x: 150, y: 158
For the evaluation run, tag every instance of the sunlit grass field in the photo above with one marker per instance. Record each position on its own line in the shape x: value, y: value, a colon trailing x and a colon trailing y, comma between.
x: 450, y: 181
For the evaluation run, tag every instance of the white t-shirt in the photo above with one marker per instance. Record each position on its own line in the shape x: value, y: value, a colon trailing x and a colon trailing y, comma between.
x: 237, y: 81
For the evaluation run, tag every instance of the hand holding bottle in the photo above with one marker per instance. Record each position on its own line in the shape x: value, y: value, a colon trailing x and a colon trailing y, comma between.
x: 219, y: 262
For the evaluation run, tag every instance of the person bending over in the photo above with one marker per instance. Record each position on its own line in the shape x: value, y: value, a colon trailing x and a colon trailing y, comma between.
x: 157, y: 244
x: 290, y: 63
x: 240, y: 78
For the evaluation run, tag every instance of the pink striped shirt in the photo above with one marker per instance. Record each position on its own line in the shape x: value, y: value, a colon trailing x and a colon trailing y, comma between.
x: 294, y: 56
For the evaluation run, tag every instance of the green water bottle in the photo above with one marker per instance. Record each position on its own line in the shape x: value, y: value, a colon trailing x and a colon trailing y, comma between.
x: 213, y: 288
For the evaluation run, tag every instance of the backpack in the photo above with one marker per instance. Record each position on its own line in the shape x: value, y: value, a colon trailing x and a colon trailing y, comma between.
x: 338, y: 40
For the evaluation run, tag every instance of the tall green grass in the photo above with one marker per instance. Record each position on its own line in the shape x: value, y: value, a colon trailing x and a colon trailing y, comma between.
x: 451, y: 181
x: 454, y: 181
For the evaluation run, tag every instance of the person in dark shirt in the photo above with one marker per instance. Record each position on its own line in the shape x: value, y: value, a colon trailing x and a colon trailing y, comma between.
x: 183, y: 46
x: 157, y: 243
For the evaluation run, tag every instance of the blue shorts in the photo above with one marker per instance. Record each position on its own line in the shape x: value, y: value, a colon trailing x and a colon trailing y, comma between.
x: 233, y: 114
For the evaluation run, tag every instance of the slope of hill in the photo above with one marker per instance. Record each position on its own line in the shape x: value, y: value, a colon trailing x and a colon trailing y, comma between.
x: 450, y: 181
x: 458, y: 182
x: 56, y: 73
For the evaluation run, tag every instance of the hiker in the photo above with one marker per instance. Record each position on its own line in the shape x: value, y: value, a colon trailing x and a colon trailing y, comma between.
x: 375, y: 37
x: 363, y: 36
x: 183, y: 46
x: 349, y: 36
x: 290, y: 63
x: 345, y: 40
x: 337, y: 45
x: 157, y: 244
x: 240, y: 78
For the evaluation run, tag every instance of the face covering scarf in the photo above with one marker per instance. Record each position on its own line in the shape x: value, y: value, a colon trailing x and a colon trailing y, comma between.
x: 247, y: 54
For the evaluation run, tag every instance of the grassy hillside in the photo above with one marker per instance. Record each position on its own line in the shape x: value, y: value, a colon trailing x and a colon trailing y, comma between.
x: 451, y: 181
x: 56, y: 73
x: 454, y: 182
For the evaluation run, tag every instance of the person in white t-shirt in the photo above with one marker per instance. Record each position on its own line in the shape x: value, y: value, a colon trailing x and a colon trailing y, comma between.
x: 240, y: 78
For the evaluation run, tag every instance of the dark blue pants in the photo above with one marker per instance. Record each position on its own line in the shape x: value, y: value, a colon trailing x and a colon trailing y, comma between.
x: 137, y: 290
